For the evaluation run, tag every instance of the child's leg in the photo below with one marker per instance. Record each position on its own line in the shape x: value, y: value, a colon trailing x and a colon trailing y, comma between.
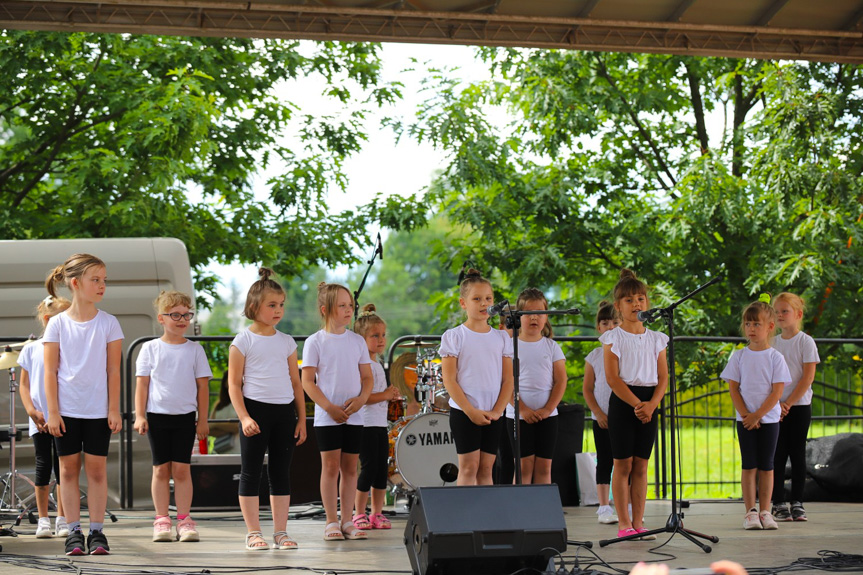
x: 486, y: 467
x: 42, y: 443
x: 280, y: 506
x: 638, y: 490
x: 542, y: 471
x: 348, y: 483
x: 97, y: 486
x: 765, y: 487
x: 527, y: 465
x: 379, y: 497
x: 602, y: 491
x: 468, y: 465
x: 183, y: 489
x: 799, y: 417
x: 330, y: 461
x: 747, y: 486
x: 160, y: 488
x: 368, y: 459
x: 620, y: 489
x: 604, y: 463
x: 70, y: 469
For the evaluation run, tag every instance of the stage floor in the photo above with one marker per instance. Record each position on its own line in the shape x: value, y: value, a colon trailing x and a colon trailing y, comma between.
x: 831, y: 526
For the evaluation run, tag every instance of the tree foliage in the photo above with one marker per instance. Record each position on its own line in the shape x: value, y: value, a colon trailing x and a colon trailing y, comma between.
x: 122, y: 135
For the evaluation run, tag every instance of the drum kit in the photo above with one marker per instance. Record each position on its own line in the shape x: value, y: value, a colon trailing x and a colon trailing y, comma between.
x: 10, y: 501
x: 422, y: 450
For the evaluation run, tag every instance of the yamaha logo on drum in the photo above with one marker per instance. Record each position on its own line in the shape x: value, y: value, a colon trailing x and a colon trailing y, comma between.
x: 436, y: 438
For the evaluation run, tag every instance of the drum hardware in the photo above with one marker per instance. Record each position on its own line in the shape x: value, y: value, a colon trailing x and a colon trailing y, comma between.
x: 418, y: 344
x: 10, y: 501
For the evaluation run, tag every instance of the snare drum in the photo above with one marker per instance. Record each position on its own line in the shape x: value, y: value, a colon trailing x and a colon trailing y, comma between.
x: 423, y: 452
x: 396, y: 409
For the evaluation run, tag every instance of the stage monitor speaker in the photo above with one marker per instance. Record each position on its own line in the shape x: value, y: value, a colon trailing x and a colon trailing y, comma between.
x: 484, y: 529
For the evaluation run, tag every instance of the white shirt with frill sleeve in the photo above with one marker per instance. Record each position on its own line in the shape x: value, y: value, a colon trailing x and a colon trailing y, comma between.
x: 756, y: 372
x: 601, y: 389
x: 375, y: 414
x: 797, y: 350
x: 337, y: 358
x: 173, y: 370
x: 536, y: 373
x: 266, y: 377
x: 82, y: 376
x: 637, y: 354
x: 480, y: 363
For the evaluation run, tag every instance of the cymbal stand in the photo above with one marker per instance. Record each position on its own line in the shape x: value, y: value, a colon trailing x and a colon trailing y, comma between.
x: 10, y: 502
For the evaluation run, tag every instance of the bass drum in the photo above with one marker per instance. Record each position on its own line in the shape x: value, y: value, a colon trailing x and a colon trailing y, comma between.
x: 423, y: 452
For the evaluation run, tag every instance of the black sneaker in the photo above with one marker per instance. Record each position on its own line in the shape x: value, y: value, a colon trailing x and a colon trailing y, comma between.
x: 780, y: 512
x: 97, y: 543
x: 797, y: 511
x: 75, y: 543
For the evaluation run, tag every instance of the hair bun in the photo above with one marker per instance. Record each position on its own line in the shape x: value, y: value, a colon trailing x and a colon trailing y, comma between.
x: 322, y: 285
x: 369, y: 307
x: 264, y: 273
x: 626, y: 273
x: 472, y: 273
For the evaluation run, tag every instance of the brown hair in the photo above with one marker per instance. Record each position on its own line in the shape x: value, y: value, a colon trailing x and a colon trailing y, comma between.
x: 628, y: 285
x: 327, y: 294
x: 533, y: 294
x: 754, y: 312
x: 51, y: 306
x: 171, y: 299
x: 258, y: 291
x: 471, y: 277
x: 72, y: 268
x: 367, y: 319
x: 796, y: 302
x: 605, y: 311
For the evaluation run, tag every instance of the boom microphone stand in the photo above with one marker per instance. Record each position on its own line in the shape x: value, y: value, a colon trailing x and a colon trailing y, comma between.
x: 379, y: 251
x: 675, y: 520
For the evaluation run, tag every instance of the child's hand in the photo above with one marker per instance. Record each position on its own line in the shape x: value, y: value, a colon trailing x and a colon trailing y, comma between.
x: 784, y: 407
x: 644, y: 411
x: 338, y: 413
x: 529, y: 415
x: 395, y: 393
x: 141, y: 425
x: 728, y: 567
x: 353, y: 405
x: 602, y: 420
x: 115, y: 422
x: 751, y: 421
x: 480, y: 417
x: 56, y: 426
x: 202, y: 430
x: 300, y: 432
x: 543, y: 413
x: 39, y: 419
x: 250, y: 426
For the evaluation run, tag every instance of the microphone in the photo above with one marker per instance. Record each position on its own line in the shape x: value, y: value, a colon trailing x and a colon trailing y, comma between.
x: 380, y: 249
x: 650, y: 316
x: 494, y: 310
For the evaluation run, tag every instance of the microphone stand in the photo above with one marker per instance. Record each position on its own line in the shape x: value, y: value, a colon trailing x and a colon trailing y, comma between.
x: 674, y: 524
x: 379, y: 251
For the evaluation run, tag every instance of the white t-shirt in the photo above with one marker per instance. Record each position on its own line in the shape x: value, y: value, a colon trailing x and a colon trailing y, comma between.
x: 480, y: 363
x: 173, y: 370
x: 536, y: 373
x: 82, y: 377
x: 637, y: 354
x: 32, y: 358
x: 798, y: 350
x: 601, y: 389
x: 375, y: 414
x: 337, y: 358
x: 266, y: 377
x: 756, y: 372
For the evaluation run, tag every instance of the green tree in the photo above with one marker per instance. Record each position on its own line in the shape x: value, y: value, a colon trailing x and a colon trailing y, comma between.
x: 113, y: 135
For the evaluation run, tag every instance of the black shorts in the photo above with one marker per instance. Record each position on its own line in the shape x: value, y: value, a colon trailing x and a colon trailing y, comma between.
x: 172, y: 437
x: 629, y: 437
x: 536, y: 439
x: 348, y: 438
x: 470, y: 437
x: 757, y: 446
x: 92, y: 436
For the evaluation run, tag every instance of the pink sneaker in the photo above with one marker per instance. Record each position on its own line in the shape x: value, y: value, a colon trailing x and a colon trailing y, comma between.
x: 162, y: 529
x: 378, y: 521
x: 187, y: 530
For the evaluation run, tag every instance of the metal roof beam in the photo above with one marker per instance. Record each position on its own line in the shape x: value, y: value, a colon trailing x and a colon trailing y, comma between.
x: 771, y: 11
x: 680, y: 10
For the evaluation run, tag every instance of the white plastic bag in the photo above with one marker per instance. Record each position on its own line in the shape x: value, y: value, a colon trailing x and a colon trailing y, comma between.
x: 585, y: 468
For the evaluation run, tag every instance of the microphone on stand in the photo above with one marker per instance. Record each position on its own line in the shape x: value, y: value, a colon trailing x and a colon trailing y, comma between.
x: 495, y: 309
x: 380, y: 249
x: 650, y: 315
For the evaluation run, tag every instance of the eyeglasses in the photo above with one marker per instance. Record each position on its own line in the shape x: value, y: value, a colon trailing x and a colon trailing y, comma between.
x: 177, y: 316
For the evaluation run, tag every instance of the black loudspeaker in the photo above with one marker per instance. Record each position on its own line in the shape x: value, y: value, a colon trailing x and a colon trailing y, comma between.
x: 484, y: 529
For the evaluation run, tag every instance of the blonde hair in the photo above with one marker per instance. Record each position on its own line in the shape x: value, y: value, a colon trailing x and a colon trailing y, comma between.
x: 258, y: 290
x: 628, y: 285
x: 605, y: 311
x: 171, y: 299
x: 533, y: 294
x: 72, y: 268
x: 471, y: 277
x: 754, y: 312
x: 51, y: 306
x: 327, y: 295
x: 367, y: 319
x: 796, y: 302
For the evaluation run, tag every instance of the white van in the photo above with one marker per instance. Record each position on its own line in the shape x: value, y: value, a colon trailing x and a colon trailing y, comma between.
x: 137, y: 268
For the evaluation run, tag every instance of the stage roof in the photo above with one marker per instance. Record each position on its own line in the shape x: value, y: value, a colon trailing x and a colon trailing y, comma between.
x: 825, y: 30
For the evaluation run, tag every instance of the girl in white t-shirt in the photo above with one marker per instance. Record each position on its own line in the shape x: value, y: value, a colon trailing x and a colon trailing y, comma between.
x: 32, y: 362
x: 756, y: 376
x: 637, y: 373
x: 83, y: 348
x: 375, y: 447
x: 541, y: 383
x: 596, y: 394
x: 266, y: 392
x: 476, y: 362
x: 337, y: 376
x: 172, y: 397
x: 801, y: 355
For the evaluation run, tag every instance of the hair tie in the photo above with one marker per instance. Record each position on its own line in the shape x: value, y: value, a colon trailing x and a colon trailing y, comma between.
x: 764, y: 298
x: 48, y: 300
x: 366, y: 313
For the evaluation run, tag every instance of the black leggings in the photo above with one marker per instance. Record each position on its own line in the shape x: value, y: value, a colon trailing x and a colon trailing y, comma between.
x: 46, y: 459
x: 793, y: 430
x: 277, y: 423
x: 374, y: 452
x: 604, y: 460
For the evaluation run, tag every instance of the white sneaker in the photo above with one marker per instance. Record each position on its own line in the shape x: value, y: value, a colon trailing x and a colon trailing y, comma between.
x: 751, y: 520
x: 606, y: 514
x: 767, y: 521
x: 61, y: 528
x: 43, y: 528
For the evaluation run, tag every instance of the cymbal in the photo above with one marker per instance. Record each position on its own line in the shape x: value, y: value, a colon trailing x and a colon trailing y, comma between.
x: 9, y: 359
x: 18, y: 345
x: 418, y: 344
x: 399, y: 374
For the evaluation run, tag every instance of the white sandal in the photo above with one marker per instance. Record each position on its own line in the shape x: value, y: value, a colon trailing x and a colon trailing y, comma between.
x: 332, y: 532
x: 351, y: 531
x: 250, y: 536
x: 283, y: 541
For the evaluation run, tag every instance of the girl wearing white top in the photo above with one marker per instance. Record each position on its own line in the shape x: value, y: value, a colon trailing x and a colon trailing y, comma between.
x: 476, y: 362
x: 541, y: 383
x: 172, y: 397
x: 265, y: 389
x: 637, y: 373
x: 756, y: 376
x: 801, y: 355
x: 596, y: 394
x: 374, y: 450
x: 83, y: 348
x: 337, y: 376
x: 32, y: 362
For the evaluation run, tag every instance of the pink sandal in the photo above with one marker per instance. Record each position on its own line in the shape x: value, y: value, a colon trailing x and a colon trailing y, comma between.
x: 378, y: 521
x: 362, y: 522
